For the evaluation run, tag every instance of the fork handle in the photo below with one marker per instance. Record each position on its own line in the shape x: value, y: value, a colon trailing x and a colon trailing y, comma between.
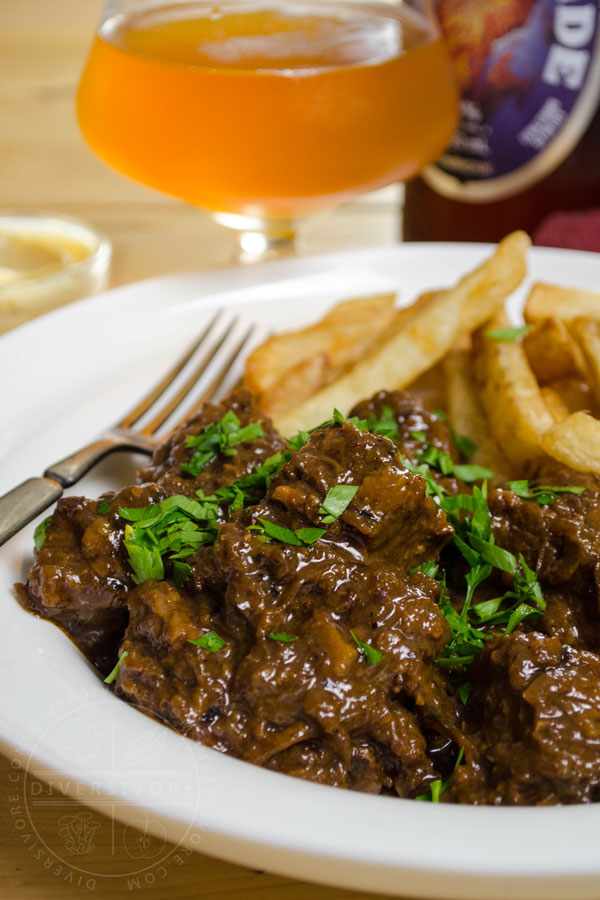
x: 19, y: 506
x: 23, y: 503
x: 70, y: 469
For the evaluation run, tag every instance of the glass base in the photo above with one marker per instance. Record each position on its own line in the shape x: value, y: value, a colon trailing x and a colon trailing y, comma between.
x: 259, y: 240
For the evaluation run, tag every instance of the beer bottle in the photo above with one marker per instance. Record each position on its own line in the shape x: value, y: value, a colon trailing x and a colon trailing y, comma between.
x: 528, y: 140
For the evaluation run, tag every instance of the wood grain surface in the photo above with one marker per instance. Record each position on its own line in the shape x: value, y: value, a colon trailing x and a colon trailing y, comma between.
x: 45, y: 164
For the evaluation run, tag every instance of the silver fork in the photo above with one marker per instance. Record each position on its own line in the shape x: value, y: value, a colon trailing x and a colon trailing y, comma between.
x: 24, y: 502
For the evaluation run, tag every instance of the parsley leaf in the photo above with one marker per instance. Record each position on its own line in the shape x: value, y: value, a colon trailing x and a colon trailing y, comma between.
x: 111, y: 677
x: 250, y: 489
x: 174, y: 528
x: 465, y: 445
x: 386, y: 424
x: 475, y: 541
x: 418, y: 436
x: 209, y: 641
x: 181, y: 572
x: 444, y: 463
x: 544, y: 494
x: 508, y: 334
x: 218, y: 437
x: 144, y: 556
x: 39, y: 535
x: 298, y: 440
x: 437, y: 787
x: 283, y: 636
x: 465, y: 692
x: 430, y: 569
x: 336, y: 501
x: 370, y: 654
x: 309, y: 535
x: 103, y: 507
x: 301, y: 537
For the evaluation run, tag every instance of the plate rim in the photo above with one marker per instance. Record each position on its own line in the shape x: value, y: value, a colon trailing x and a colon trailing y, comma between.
x: 428, y: 876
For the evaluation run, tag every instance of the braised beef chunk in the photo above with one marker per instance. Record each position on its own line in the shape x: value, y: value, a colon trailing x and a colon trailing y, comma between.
x: 166, y: 674
x: 536, y: 715
x: 561, y: 542
x: 301, y: 688
x: 415, y: 428
x: 80, y: 578
x: 165, y: 467
x: 299, y: 630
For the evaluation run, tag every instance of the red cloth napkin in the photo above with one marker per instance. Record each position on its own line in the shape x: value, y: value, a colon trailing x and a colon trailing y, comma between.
x: 573, y: 230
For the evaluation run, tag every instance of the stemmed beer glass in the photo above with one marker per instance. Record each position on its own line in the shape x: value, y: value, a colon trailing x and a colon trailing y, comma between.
x: 264, y: 111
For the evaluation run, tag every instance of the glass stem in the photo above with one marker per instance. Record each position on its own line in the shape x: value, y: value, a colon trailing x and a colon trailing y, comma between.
x: 259, y: 240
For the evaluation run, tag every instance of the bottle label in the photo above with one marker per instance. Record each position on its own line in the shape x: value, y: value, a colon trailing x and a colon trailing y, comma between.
x: 529, y: 73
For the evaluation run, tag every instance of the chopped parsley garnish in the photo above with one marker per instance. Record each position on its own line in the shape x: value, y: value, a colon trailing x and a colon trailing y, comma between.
x: 301, y: 537
x: 251, y: 488
x: 418, y: 436
x: 283, y: 636
x: 465, y: 445
x: 174, y: 528
x: 441, y: 461
x: 218, y: 437
x: 432, y: 488
x: 336, y: 501
x: 111, y: 677
x: 475, y: 540
x: 103, y: 507
x: 508, y: 334
x: 465, y: 692
x: 209, y: 641
x: 298, y: 440
x: 181, y: 572
x: 369, y: 654
x: 440, y: 414
x: 39, y: 535
x: 386, y: 424
x: 429, y: 568
x: 437, y: 787
x: 544, y: 494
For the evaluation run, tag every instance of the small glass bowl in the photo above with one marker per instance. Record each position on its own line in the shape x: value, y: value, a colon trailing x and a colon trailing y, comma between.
x: 47, y: 260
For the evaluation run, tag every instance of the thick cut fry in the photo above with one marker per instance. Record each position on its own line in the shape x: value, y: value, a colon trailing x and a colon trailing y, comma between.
x: 511, y: 396
x: 587, y: 333
x: 343, y: 336
x: 466, y: 414
x: 552, y: 352
x: 546, y: 300
x: 575, y: 442
x: 429, y: 335
x: 555, y: 404
x: 576, y: 394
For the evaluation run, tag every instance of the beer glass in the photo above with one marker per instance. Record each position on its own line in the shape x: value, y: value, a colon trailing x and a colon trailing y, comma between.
x: 261, y: 112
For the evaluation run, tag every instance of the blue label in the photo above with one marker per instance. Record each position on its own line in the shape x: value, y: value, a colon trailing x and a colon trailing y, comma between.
x: 529, y: 73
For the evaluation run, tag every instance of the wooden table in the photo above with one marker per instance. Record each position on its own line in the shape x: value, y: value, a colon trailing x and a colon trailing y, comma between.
x: 45, y: 164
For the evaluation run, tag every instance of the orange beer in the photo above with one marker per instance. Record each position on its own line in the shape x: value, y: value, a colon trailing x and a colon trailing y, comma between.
x: 259, y: 111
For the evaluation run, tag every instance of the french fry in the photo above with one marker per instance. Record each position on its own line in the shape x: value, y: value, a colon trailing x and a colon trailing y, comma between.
x: 552, y: 352
x: 550, y: 300
x: 429, y: 334
x: 466, y: 414
x: 587, y: 334
x: 555, y: 404
x: 575, y: 442
x: 511, y: 396
x: 343, y: 336
x: 575, y: 393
